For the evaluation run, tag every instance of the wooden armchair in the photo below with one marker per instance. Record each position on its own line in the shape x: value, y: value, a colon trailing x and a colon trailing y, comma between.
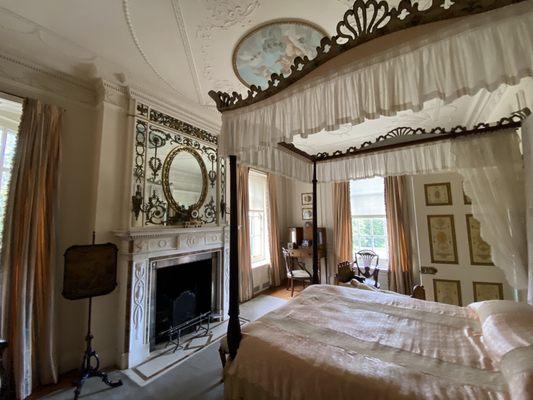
x: 364, y: 259
x: 296, y: 271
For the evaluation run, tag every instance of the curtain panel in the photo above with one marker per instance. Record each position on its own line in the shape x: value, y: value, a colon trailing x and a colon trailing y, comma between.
x: 245, y: 258
x: 527, y: 145
x: 399, y: 241
x: 461, y: 57
x: 342, y: 222
x: 277, y: 270
x: 29, y: 248
x: 493, y: 177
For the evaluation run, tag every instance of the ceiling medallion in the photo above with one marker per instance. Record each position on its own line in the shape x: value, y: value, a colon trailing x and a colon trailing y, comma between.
x: 272, y: 47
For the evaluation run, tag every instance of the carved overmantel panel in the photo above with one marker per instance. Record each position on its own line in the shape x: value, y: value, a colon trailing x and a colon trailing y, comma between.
x: 166, y: 188
x: 138, y: 249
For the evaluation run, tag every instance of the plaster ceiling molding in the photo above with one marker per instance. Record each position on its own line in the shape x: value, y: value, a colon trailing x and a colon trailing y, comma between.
x: 136, y: 41
x: 182, y: 32
x: 226, y: 13
x: 223, y: 15
x: 207, y: 119
x: 21, y: 72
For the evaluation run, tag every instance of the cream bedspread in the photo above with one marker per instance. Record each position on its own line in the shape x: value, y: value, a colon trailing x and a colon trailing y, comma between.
x: 338, y: 343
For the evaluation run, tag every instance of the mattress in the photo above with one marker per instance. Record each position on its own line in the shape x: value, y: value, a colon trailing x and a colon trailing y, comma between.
x: 335, y: 342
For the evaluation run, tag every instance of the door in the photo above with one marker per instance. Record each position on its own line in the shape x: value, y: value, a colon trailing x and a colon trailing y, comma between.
x: 454, y: 262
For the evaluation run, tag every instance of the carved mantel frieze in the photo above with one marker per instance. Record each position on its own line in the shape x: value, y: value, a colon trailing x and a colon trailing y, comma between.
x: 139, y: 248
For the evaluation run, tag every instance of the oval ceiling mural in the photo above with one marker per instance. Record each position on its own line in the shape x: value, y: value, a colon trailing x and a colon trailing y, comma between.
x: 272, y: 47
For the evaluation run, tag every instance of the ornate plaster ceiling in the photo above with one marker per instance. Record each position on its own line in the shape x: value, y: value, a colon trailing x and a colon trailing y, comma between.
x: 182, y: 48
x: 177, y: 48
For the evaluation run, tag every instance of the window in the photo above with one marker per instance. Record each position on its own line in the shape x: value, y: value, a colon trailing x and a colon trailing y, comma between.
x: 369, y: 223
x: 257, y: 191
x: 10, y: 113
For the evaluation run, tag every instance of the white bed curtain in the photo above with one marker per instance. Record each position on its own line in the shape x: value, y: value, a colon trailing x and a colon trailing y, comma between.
x: 493, y: 177
x: 527, y: 145
x: 481, y: 51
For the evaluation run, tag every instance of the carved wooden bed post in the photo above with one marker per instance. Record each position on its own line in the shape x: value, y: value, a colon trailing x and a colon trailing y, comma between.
x: 234, y: 326
x: 316, y: 278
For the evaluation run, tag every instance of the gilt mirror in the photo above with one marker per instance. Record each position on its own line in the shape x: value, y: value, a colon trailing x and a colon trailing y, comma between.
x: 184, y: 180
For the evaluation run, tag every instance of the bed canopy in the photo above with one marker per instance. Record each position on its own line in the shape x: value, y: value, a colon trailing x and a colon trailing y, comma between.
x: 374, y: 66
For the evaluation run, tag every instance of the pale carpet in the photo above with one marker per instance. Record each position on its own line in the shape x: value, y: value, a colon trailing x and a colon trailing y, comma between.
x: 198, y: 377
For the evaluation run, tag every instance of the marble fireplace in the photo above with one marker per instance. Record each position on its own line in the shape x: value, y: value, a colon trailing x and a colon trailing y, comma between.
x: 145, y: 254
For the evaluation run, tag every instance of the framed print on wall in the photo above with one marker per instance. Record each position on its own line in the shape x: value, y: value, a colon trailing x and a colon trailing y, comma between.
x: 487, y: 291
x: 480, y: 253
x: 307, y: 214
x: 307, y: 199
x: 438, y: 194
x: 447, y: 291
x: 442, y: 242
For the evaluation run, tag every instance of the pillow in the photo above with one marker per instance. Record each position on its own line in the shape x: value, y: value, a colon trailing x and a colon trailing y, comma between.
x: 507, y: 329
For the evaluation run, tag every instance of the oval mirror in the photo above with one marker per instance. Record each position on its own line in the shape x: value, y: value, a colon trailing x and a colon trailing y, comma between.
x: 184, y: 180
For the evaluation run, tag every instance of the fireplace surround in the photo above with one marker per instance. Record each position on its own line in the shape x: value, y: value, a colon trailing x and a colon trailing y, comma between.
x: 143, y: 251
x: 182, y: 288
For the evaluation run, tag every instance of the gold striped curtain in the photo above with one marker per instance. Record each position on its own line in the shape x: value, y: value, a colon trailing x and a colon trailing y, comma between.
x: 277, y: 270
x: 342, y: 222
x: 396, y: 208
x: 245, y: 258
x: 29, y: 246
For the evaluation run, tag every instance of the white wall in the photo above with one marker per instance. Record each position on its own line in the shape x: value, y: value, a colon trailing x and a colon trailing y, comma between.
x: 463, y: 271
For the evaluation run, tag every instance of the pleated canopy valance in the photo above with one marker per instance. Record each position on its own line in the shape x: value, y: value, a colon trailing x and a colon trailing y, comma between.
x: 449, y: 60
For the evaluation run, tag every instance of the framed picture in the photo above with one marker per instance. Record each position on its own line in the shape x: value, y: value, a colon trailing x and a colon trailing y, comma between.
x: 438, y: 194
x: 467, y: 200
x: 480, y: 253
x: 307, y: 214
x: 307, y: 199
x: 488, y: 291
x: 447, y: 291
x: 442, y: 242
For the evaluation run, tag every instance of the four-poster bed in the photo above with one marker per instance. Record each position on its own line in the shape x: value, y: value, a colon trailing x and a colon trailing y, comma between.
x: 323, y: 94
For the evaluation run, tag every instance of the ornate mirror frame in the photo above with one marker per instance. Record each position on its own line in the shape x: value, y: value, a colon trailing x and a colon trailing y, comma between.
x: 155, y: 134
x: 165, y: 181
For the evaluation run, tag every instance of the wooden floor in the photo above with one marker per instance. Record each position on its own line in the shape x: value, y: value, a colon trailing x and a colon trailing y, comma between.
x: 282, y: 292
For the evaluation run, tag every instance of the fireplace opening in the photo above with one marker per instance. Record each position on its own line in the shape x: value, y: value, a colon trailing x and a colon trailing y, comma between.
x: 183, y: 292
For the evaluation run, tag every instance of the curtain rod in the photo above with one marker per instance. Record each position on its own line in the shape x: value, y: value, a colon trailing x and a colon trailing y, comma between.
x: 435, y: 134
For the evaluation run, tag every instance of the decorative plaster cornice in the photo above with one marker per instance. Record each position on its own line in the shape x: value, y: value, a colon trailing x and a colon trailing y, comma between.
x: 21, y: 72
x: 176, y: 108
x: 120, y: 96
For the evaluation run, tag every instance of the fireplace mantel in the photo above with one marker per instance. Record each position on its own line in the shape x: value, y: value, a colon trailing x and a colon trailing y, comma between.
x: 139, y: 247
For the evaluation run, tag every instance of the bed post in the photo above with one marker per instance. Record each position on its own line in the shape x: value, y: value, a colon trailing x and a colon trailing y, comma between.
x: 234, y: 326
x: 316, y: 278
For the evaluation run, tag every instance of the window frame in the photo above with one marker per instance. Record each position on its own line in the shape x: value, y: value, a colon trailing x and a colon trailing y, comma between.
x: 263, y: 214
x: 383, y: 258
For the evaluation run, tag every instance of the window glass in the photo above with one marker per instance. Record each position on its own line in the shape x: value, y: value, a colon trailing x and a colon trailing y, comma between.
x: 257, y: 214
x: 369, y: 224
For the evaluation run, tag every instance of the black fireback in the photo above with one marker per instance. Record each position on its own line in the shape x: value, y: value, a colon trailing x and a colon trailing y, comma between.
x: 182, y: 293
